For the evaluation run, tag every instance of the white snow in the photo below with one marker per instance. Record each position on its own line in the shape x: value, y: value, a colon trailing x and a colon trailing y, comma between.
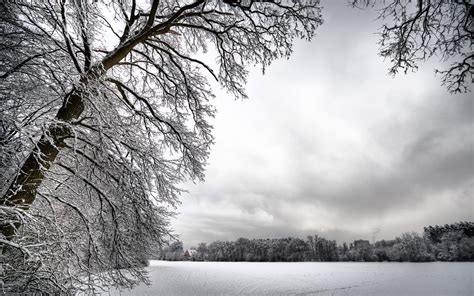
x: 306, y: 278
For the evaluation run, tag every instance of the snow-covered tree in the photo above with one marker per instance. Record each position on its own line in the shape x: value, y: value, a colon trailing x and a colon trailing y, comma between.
x: 416, y: 31
x: 105, y: 109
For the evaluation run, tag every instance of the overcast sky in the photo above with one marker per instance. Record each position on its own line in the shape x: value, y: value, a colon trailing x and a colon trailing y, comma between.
x: 328, y: 143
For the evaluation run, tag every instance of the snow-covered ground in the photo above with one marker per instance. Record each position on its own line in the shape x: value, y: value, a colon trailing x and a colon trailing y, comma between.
x: 242, y: 278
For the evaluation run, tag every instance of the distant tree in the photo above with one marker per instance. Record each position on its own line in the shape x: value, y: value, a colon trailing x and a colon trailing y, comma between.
x: 174, y: 251
x: 295, y: 250
x: 415, y: 31
x: 202, y: 251
x: 321, y: 249
x: 311, y: 247
x: 455, y: 246
x: 362, y: 251
x: 277, y: 249
x: 220, y: 251
x: 242, y: 249
x: 394, y: 253
x: 343, y: 251
x: 414, y: 248
x: 466, y: 249
x: 382, y: 249
x: 435, y: 233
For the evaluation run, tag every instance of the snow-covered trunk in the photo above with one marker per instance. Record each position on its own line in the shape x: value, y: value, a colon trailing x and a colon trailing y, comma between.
x: 22, y: 190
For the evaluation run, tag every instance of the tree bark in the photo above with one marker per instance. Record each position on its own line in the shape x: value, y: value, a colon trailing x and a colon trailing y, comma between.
x: 22, y: 190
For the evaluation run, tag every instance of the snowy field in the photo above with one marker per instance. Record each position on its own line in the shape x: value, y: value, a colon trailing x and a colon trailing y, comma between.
x: 242, y: 278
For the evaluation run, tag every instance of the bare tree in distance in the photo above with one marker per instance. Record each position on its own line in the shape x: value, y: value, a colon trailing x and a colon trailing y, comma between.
x: 104, y: 111
x: 415, y: 31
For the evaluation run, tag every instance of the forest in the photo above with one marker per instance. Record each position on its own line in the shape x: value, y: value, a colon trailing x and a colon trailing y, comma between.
x: 451, y: 242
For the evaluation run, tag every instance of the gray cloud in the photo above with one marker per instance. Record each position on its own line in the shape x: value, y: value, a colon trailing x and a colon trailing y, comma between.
x: 329, y: 144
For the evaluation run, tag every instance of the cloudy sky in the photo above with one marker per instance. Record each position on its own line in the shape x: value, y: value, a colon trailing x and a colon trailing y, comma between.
x: 328, y: 143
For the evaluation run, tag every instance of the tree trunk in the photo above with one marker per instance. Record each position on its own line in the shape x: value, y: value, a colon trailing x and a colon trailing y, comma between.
x: 22, y: 191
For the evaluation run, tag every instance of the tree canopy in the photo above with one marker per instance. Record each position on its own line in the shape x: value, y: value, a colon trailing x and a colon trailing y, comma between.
x: 105, y: 109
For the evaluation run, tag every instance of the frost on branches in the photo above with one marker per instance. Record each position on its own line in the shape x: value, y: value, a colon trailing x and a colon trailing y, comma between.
x: 104, y: 111
x: 416, y: 31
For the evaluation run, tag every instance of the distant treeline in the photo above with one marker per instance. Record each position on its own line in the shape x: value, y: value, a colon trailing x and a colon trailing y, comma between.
x: 453, y: 242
